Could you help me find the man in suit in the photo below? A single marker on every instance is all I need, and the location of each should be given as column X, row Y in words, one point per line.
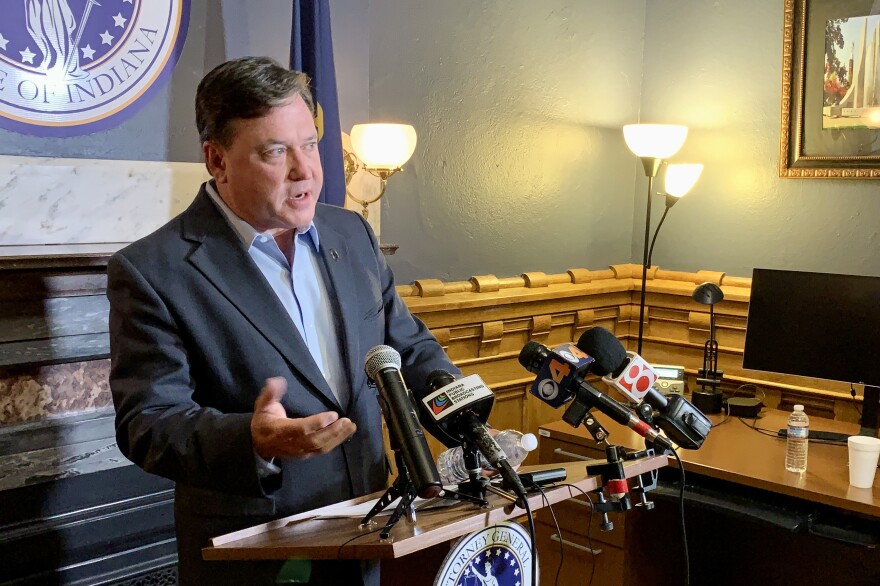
column 238, row 332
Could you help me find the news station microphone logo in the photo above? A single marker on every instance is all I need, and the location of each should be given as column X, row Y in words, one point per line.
column 636, row 379
column 566, row 362
column 457, row 395
column 440, row 403
column 548, row 389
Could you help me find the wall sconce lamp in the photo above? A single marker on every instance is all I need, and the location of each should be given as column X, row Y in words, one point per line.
column 381, row 150
column 652, row 143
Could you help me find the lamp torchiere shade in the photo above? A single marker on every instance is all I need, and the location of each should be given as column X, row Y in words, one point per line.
column 383, row 146
column 681, row 178
column 655, row 141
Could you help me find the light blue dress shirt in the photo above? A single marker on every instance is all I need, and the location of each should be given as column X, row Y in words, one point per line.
column 301, row 290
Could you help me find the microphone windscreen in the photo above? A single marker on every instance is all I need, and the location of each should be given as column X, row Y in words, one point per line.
column 379, row 358
column 532, row 356
column 437, row 380
column 608, row 352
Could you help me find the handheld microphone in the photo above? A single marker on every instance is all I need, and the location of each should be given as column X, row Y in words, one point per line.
column 382, row 365
column 557, row 370
column 630, row 374
column 455, row 412
column 535, row 357
column 445, row 400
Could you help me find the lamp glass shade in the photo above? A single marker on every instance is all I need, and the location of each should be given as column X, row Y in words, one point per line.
column 681, row 177
column 656, row 141
column 383, row 146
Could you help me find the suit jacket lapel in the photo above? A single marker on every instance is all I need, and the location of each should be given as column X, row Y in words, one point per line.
column 342, row 272
column 223, row 260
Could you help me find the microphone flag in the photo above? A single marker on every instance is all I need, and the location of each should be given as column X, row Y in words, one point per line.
column 454, row 397
column 636, row 379
column 311, row 51
column 567, row 364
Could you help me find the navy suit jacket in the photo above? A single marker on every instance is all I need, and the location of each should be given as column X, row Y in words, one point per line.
column 195, row 330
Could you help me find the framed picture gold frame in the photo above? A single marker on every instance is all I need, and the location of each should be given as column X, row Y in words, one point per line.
column 807, row 149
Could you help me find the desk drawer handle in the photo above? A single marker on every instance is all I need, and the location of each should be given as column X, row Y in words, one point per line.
column 555, row 537
column 572, row 455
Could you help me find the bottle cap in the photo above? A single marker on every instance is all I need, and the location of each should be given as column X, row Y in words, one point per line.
column 798, row 407
column 528, row 442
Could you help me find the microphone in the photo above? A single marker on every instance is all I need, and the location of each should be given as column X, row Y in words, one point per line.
column 557, row 369
column 382, row 365
column 445, row 400
column 455, row 412
column 537, row 357
column 631, row 374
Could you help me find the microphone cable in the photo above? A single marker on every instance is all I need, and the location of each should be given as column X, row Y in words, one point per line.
column 684, row 541
column 533, row 535
column 589, row 527
column 558, row 532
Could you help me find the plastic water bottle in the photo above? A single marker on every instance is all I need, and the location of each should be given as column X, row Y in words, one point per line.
column 797, row 441
column 515, row 445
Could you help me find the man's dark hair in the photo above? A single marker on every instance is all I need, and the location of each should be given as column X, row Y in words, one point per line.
column 244, row 88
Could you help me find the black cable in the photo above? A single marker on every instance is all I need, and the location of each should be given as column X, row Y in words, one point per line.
column 760, row 430
column 534, row 545
column 558, row 532
column 370, row 532
column 687, row 561
column 589, row 527
column 852, row 391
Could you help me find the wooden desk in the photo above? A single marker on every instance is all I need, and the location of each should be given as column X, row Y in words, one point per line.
column 310, row 537
column 737, row 453
column 737, row 544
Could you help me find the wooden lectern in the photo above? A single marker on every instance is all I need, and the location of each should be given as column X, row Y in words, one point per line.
column 311, row 535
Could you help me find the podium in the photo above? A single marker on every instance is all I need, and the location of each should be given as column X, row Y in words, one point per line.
column 416, row 546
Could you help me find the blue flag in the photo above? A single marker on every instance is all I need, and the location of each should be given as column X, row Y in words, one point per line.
column 311, row 51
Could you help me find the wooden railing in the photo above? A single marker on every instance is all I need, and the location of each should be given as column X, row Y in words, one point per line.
column 485, row 321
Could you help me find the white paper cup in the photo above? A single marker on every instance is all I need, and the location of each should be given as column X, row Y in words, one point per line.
column 863, row 455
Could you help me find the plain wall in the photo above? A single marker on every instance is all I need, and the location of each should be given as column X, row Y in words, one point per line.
column 717, row 67
column 520, row 164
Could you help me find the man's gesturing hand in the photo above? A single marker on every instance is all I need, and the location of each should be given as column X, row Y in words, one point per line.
column 277, row 436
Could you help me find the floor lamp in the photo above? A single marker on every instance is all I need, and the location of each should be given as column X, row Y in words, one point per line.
column 651, row 143
column 680, row 179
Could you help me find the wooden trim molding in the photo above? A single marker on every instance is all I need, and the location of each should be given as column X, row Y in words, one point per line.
column 557, row 308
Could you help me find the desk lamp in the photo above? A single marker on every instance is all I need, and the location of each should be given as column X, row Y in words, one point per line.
column 708, row 398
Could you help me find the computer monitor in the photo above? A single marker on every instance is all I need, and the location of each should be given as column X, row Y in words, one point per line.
column 818, row 325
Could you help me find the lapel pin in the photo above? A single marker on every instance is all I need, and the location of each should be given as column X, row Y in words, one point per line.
column 333, row 254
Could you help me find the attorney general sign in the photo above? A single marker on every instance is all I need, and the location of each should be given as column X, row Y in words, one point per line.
column 70, row 67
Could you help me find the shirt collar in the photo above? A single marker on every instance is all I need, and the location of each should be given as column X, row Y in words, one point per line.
column 245, row 231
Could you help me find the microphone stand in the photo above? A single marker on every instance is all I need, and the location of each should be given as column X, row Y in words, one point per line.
column 477, row 485
column 614, row 483
column 403, row 488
